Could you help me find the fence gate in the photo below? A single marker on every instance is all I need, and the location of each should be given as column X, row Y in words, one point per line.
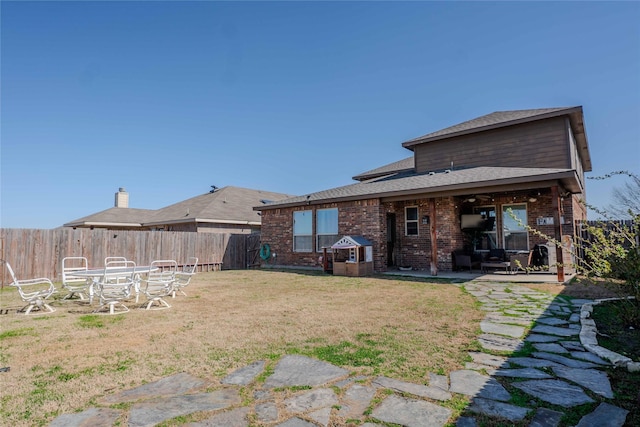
column 253, row 250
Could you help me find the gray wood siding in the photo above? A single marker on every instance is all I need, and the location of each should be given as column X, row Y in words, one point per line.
column 542, row 144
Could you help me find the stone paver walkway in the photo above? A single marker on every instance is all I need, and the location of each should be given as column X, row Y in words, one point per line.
column 553, row 372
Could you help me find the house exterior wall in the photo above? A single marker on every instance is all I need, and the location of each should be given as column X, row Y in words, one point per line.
column 543, row 143
column 368, row 219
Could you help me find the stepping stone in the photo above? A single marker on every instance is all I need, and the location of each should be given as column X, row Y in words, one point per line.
column 546, row 418
column 531, row 373
column 604, row 415
column 489, row 370
column 154, row 412
column 497, row 318
column 596, row 381
column 267, row 412
column 296, row 422
column 311, row 400
column 551, row 321
column 439, row 381
column 181, row 383
column 572, row 363
column 551, row 348
column 553, row 330
column 498, row 409
column 589, row 357
column 488, row 359
column 466, row 422
column 541, row 338
column 502, row 329
column 355, row 401
column 575, row 318
column 95, row 417
column 321, row 416
column 556, row 392
column 233, row 418
column 498, row 343
column 435, row 393
column 572, row 345
column 293, row 370
column 246, row 375
column 411, row 412
column 530, row 362
column 471, row 383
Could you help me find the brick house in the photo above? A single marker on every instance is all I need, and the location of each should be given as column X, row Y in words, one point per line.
column 506, row 168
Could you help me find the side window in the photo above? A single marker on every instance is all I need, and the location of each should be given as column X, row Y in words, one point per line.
column 302, row 231
column 411, row 221
column 326, row 228
column 514, row 219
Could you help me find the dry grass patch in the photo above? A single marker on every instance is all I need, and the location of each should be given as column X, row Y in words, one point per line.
column 67, row 360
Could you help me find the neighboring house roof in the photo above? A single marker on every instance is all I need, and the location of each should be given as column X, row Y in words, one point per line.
column 456, row 182
column 120, row 217
column 228, row 205
column 404, row 165
column 500, row 119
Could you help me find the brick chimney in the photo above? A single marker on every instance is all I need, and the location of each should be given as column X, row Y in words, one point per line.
column 122, row 198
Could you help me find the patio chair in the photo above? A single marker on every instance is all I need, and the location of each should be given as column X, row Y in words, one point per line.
column 159, row 283
column 112, row 290
column 183, row 276
column 75, row 285
column 34, row 292
column 521, row 261
column 462, row 261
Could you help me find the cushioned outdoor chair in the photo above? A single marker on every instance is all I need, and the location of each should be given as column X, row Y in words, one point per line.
column 34, row 292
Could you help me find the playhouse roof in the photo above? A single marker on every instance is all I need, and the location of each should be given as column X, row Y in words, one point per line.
column 348, row 242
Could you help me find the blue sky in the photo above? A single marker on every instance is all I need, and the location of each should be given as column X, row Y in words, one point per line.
column 166, row 99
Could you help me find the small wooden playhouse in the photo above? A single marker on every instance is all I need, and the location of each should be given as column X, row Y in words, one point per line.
column 352, row 256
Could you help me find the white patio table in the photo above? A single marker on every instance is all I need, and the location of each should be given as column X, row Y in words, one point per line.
column 95, row 274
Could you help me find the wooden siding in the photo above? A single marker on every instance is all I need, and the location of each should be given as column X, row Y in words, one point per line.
column 38, row 253
column 541, row 144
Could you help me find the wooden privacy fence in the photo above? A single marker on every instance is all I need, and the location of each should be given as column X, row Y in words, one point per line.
column 39, row 253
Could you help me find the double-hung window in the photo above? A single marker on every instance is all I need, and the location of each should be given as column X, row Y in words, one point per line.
column 515, row 235
column 411, row 221
column 303, row 231
column 326, row 228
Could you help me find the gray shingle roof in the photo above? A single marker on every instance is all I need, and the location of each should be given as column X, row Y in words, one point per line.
column 479, row 178
column 229, row 204
column 403, row 165
column 491, row 121
column 121, row 216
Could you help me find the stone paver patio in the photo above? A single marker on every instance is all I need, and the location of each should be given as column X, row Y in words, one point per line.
column 560, row 373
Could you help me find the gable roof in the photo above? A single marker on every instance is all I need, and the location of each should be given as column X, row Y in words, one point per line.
column 404, row 165
column 456, row 182
column 228, row 205
column 120, row 217
column 501, row 119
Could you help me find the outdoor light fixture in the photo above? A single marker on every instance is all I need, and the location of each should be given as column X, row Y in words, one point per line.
column 533, row 199
column 471, row 199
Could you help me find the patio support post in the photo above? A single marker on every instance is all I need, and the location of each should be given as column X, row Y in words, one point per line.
column 434, row 237
column 557, row 229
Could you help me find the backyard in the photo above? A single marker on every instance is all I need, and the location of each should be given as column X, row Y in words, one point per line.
column 403, row 328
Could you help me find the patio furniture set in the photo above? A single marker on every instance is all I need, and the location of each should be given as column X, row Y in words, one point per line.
column 113, row 285
column 495, row 259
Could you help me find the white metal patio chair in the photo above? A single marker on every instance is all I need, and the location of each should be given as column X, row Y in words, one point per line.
column 34, row 292
column 158, row 283
column 75, row 285
column 112, row 290
column 183, row 276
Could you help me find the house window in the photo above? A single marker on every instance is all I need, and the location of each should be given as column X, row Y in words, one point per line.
column 326, row 228
column 514, row 220
column 487, row 238
column 302, row 231
column 411, row 221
